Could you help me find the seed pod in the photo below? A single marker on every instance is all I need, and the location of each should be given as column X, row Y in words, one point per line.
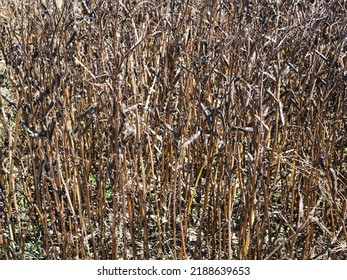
column 191, row 139
column 72, row 37
column 89, row 123
column 51, row 128
column 49, row 107
column 87, row 111
column 321, row 162
column 333, row 180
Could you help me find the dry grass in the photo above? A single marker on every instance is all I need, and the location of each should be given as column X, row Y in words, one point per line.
column 173, row 130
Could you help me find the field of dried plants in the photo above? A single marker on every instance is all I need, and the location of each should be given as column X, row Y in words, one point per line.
column 173, row 129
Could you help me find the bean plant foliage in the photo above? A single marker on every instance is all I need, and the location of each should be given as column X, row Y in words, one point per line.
column 183, row 129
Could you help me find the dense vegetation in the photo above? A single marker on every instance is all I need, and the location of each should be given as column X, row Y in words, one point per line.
column 173, row 129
